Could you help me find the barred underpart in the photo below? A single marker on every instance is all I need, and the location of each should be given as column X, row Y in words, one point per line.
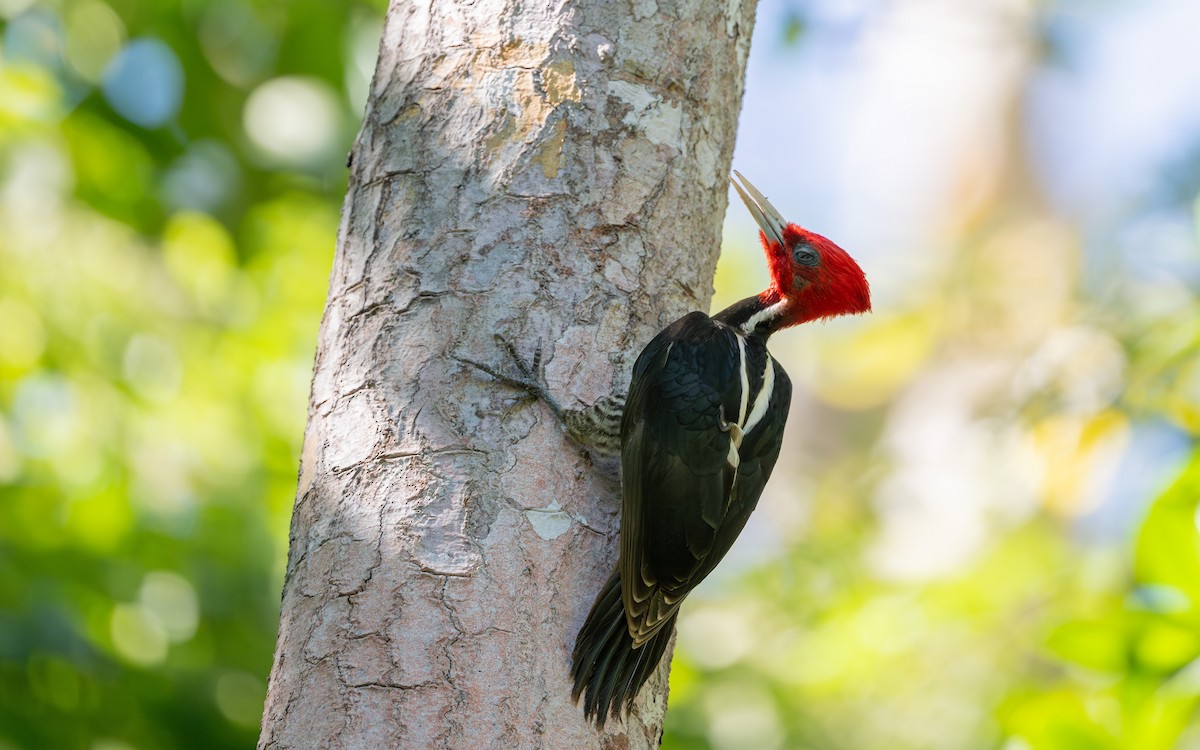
column 598, row 426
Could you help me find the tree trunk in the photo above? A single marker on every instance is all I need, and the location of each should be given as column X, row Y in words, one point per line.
column 555, row 173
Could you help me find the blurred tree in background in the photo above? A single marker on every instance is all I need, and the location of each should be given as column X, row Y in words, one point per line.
column 984, row 533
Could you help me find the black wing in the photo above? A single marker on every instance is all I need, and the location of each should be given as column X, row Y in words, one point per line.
column 685, row 494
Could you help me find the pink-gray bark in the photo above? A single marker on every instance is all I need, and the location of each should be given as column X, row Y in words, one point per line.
column 555, row 173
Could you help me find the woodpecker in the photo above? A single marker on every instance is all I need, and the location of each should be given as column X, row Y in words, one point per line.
column 697, row 434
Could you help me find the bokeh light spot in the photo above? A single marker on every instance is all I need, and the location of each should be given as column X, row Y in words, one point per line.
column 28, row 96
column 45, row 414
column 743, row 716
column 145, row 83
column 240, row 697
column 716, row 636
column 236, row 42
column 138, row 636
column 161, row 482
column 94, row 37
column 34, row 37
column 152, row 367
column 205, row 178
column 173, row 601
column 10, row 8
column 294, row 120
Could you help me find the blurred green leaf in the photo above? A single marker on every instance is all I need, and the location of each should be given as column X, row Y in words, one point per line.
column 1066, row 721
column 1101, row 644
column 1168, row 546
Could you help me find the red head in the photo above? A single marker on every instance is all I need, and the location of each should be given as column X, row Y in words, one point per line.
column 815, row 277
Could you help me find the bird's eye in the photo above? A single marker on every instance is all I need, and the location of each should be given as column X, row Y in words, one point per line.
column 805, row 256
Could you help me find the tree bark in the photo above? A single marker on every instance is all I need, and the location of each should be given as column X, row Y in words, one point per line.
column 552, row 172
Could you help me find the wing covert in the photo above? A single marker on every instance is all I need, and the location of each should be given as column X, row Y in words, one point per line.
column 685, row 493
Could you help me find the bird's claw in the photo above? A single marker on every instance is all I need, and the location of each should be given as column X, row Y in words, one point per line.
column 529, row 375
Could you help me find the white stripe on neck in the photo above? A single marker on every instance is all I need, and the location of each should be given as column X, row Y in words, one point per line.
column 745, row 373
column 767, row 313
column 763, row 399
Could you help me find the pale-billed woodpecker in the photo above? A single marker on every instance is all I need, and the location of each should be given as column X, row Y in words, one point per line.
column 698, row 436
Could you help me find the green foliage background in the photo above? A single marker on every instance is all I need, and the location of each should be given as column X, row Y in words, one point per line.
column 160, row 290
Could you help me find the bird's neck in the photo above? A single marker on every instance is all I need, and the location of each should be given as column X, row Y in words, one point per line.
column 760, row 315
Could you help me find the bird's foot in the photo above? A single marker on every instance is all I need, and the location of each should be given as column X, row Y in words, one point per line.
column 528, row 377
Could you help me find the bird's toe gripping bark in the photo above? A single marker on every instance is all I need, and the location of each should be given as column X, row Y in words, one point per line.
column 528, row 377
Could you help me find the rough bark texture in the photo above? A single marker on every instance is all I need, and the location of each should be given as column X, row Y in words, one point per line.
column 555, row 173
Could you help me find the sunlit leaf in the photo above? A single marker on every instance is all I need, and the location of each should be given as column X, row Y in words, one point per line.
column 1101, row 645
column 1163, row 646
column 1066, row 721
column 1168, row 547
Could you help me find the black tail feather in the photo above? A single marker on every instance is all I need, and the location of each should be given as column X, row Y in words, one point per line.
column 607, row 669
